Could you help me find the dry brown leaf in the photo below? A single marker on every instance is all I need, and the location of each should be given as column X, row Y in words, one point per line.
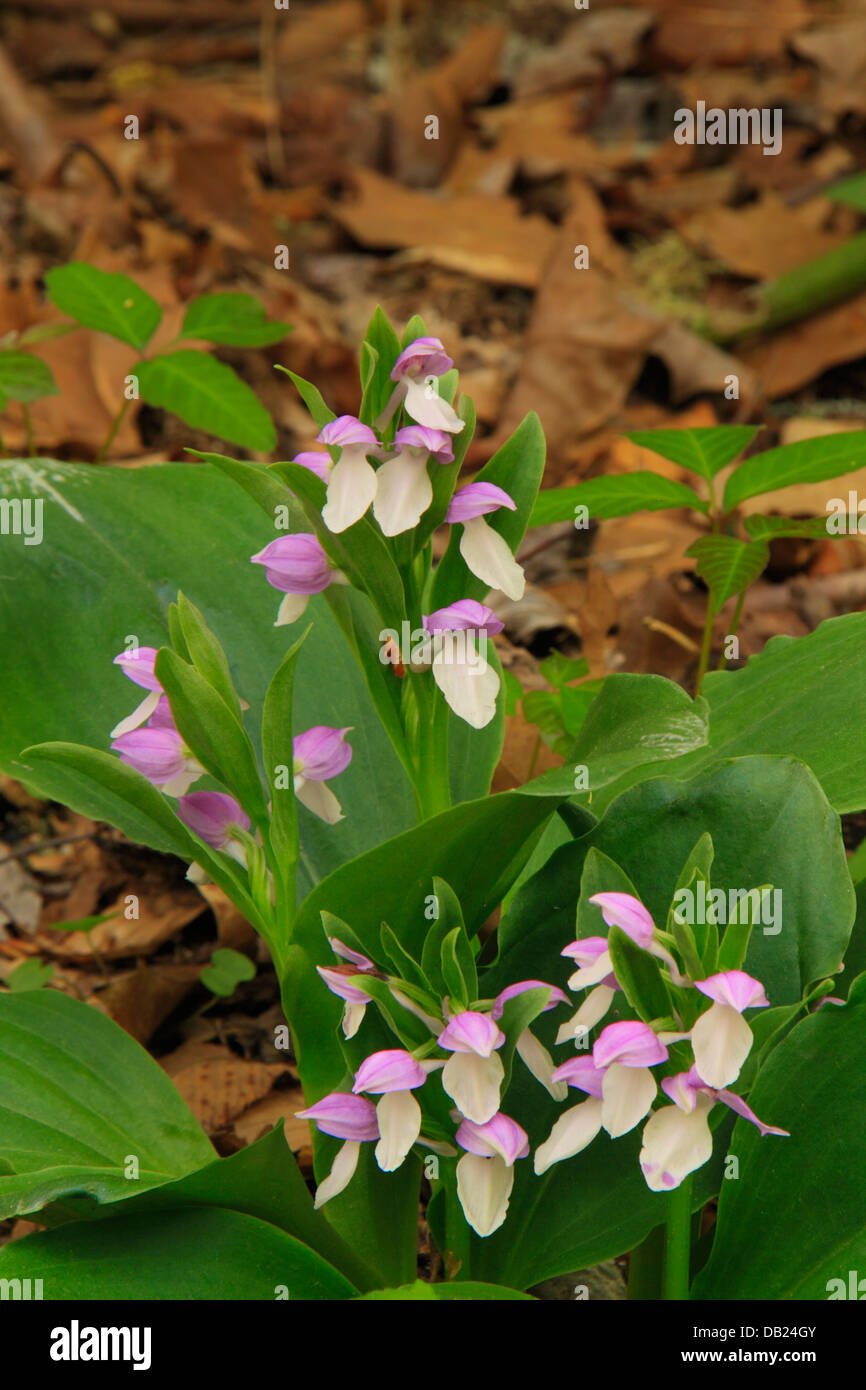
column 218, row 1086
column 734, row 32
column 265, row 1113
column 141, row 999
column 161, row 914
column 764, row 239
column 839, row 50
column 697, row 366
column 20, row 899
column 233, row 929
column 795, row 356
column 480, row 236
column 598, row 43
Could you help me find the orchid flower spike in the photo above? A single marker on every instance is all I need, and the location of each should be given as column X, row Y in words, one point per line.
column 348, row 1117
column 416, row 372
column 470, row 685
column 721, row 1038
column 352, row 482
column 393, row 1075
column 337, row 978
column 474, row 1074
column 485, row 1173
column 677, row 1139
column 629, row 914
column 403, row 487
column 297, row 566
column 487, row 554
column 138, row 666
column 320, row 754
column 214, row 817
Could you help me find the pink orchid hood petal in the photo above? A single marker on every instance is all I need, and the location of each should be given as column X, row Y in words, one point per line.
column 557, row 996
column 317, row 461
column 435, row 442
column 477, row 499
column 630, row 1043
column 626, row 912
column 500, row 1137
column 321, row 752
column 586, row 950
column 739, row 1106
column 345, row 952
column 138, row 665
column 157, row 754
column 391, row 1070
column 465, row 614
column 423, row 357
column 472, row 1032
column 345, row 431
column 734, row 988
column 683, row 1089
column 337, row 981
column 295, row 564
column 162, row 717
column 582, row 1073
column 343, row 1115
column 212, row 816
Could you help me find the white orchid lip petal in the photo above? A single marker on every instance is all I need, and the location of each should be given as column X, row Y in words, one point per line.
column 484, row 1188
column 573, row 1131
column 399, row 1117
column 675, row 1143
column 488, row 555
column 473, row 1083
column 341, row 1174
column 470, row 686
column 540, row 1063
column 318, row 798
column 141, row 713
column 351, row 489
column 721, row 1041
column 627, row 1095
column 403, row 493
column 428, row 408
column 290, row 609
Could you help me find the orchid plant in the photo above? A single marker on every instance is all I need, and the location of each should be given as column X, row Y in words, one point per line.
column 436, row 1031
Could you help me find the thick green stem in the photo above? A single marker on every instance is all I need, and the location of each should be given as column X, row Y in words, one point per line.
column 115, row 426
column 735, row 623
column 678, row 1243
column 645, row 1265
column 706, row 645
column 432, row 786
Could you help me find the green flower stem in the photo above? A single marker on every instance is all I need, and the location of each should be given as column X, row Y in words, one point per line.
column 735, row 623
column 115, row 426
column 430, row 749
column 707, row 643
column 678, row 1243
column 645, row 1266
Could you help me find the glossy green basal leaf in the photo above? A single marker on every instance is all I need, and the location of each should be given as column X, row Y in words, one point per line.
column 419, row 1292
column 618, row 495
column 801, row 697
column 635, row 721
column 703, row 451
column 77, row 1097
column 124, row 542
column 109, row 303
column 193, row 1253
column 793, row 1226
column 207, row 395
column 809, row 461
column 235, row 319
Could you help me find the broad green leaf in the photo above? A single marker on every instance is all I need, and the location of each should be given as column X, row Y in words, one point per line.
column 769, row 528
column 638, row 976
column 321, row 413
column 258, row 482
column 205, row 653
column 25, row 378
column 559, row 669
column 517, row 467
column 207, row 395
column 850, row 190
column 30, row 974
column 383, row 340
column 214, row 1254
column 277, row 753
column 704, row 451
column 109, row 303
column 617, row 495
column 445, row 476
column 728, row 565
column 634, row 721
column 808, row 461
column 124, row 542
column 213, row 733
column 78, row 1097
column 236, row 319
column 795, row 1220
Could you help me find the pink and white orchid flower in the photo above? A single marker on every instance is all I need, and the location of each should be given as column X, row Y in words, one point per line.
column 159, row 753
column 577, row 1127
column 337, row 978
column 403, row 487
column 214, row 817
column 352, row 481
column 393, row 1075
column 487, row 554
column 531, row 1052
column 629, row 914
column 138, row 665
column 320, row 754
column 677, row 1139
column 485, row 1173
column 470, row 685
column 625, row 1052
column 472, row 1077
column 298, row 566
column 416, row 373
column 595, row 974
column 721, row 1038
column 348, row 1117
